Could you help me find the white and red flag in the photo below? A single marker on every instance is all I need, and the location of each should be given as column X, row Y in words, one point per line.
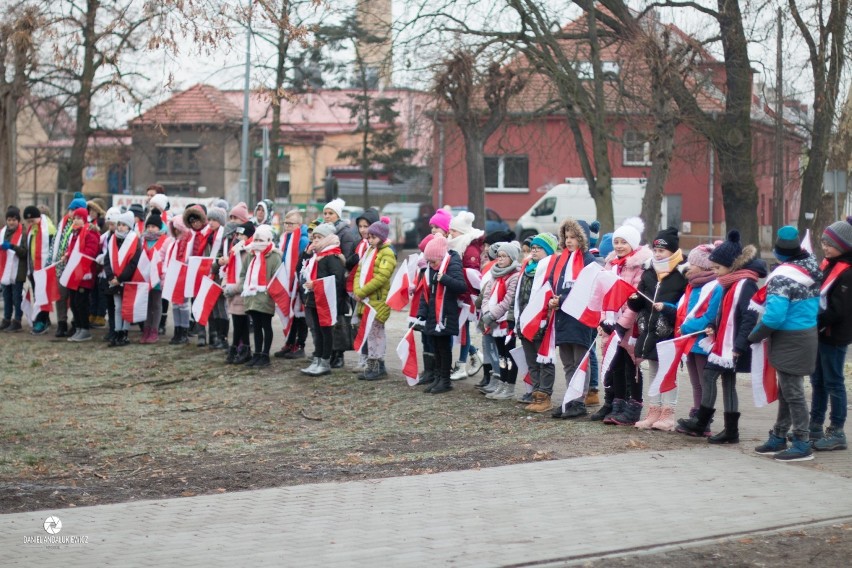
column 197, row 267
column 280, row 290
column 45, row 287
column 368, row 316
column 407, row 352
column 585, row 299
column 615, row 292
column 520, row 362
column 577, row 384
column 609, row 352
column 669, row 355
column 205, row 300
column 325, row 295
column 806, row 242
column 27, row 304
column 77, row 270
column 398, row 293
column 134, row 301
column 174, row 282
column 534, row 315
column 764, row 381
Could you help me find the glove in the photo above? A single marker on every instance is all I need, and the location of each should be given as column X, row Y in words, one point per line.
column 622, row 331
column 487, row 320
column 6, row 245
column 417, row 325
column 607, row 327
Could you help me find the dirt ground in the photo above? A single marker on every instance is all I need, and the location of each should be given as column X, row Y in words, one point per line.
column 81, row 424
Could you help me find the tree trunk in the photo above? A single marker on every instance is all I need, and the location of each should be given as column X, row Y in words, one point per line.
column 8, row 147
column 77, row 162
column 814, row 174
column 739, row 191
column 662, row 148
column 475, row 160
column 280, row 77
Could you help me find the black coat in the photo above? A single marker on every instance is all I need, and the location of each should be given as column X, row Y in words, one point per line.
column 330, row 265
column 656, row 326
column 568, row 328
column 129, row 270
column 835, row 322
column 454, row 286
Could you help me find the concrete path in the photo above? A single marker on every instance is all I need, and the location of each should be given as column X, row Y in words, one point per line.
column 539, row 513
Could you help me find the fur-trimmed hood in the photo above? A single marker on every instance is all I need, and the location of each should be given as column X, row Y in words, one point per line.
column 749, row 253
column 192, row 212
column 572, row 226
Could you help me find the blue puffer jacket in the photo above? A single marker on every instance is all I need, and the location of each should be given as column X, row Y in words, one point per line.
column 790, row 305
column 691, row 325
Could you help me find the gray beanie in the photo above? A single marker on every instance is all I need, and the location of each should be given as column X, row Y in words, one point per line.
column 839, row 235
column 218, row 214
column 324, row 229
column 512, row 249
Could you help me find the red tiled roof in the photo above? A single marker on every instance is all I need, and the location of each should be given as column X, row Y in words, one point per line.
column 201, row 104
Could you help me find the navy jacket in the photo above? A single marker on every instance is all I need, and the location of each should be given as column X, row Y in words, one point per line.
column 454, row 286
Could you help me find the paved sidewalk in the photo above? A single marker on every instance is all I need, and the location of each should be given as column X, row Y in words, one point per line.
column 544, row 512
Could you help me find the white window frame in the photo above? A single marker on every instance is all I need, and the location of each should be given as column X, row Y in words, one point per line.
column 646, row 150
column 501, row 176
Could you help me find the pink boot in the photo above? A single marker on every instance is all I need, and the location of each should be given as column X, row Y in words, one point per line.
column 653, row 416
column 666, row 422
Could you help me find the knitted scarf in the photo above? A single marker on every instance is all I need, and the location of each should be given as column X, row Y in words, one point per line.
column 256, row 278
column 9, row 260
column 119, row 257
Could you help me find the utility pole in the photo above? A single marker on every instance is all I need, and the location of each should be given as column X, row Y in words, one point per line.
column 778, row 162
column 244, row 150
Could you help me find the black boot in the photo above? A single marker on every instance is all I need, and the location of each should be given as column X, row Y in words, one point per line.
column 427, row 377
column 224, row 328
column 62, row 329
column 442, row 384
column 486, row 376
column 162, row 329
column 179, row 337
column 731, row 433
column 336, row 359
column 243, row 355
column 697, row 425
column 232, row 355
column 602, row 412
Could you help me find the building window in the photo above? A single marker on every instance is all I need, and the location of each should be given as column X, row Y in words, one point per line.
column 509, row 174
column 177, row 159
column 637, row 149
column 585, row 71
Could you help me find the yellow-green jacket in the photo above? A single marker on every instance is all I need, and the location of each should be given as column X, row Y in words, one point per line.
column 377, row 288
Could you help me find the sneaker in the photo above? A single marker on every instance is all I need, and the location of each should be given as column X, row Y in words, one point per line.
column 81, row 335
column 801, row 451
column 773, row 445
column 508, row 393
column 496, row 393
column 282, row 353
column 14, row 326
column 458, row 373
column 834, row 439
column 297, row 353
column 474, row 364
column 574, row 409
column 526, row 399
column 39, row 328
column 4, row 325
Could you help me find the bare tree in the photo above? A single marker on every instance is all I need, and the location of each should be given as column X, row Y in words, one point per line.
column 462, row 86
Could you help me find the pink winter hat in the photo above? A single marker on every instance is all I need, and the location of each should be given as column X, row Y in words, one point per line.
column 241, row 212
column 700, row 256
column 441, row 219
column 425, row 241
column 436, row 249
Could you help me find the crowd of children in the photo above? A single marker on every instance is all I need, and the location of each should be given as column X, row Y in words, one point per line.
column 335, row 279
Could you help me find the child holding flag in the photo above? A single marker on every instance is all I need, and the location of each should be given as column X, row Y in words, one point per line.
column 664, row 282
column 120, row 262
column 372, row 282
column 627, row 259
column 257, row 272
column 39, row 241
column 835, row 334
column 291, row 253
column 154, row 243
column 176, row 255
column 737, row 270
column 327, row 260
column 84, row 239
column 232, row 268
column 13, row 269
column 438, row 312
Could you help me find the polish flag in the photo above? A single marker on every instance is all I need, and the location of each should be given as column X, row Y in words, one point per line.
column 174, row 282
column 535, row 314
column 398, row 293
column 585, row 300
column 577, row 385
column 197, row 267
column 616, row 291
column 325, row 295
column 521, row 363
column 134, row 301
column 764, row 383
column 806, row 245
column 27, row 305
column 368, row 316
column 407, row 352
column 77, row 270
column 279, row 289
column 609, row 353
column 45, row 287
column 669, row 354
column 206, row 298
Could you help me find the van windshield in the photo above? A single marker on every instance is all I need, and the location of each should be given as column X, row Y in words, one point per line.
column 546, row 207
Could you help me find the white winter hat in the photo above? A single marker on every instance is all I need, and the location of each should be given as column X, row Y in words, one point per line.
column 263, row 234
column 159, row 201
column 630, row 231
column 463, row 222
column 112, row 214
column 126, row 219
column 337, row 206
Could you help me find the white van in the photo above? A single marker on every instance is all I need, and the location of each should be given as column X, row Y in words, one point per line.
column 572, row 199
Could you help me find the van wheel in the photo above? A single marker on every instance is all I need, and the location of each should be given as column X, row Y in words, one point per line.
column 527, row 234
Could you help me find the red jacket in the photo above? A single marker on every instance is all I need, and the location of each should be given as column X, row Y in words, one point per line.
column 90, row 247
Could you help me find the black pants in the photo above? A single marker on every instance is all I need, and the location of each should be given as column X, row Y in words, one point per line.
column 298, row 333
column 262, row 331
column 508, row 368
column 241, row 330
column 79, row 300
column 443, row 345
column 323, row 336
column 624, row 379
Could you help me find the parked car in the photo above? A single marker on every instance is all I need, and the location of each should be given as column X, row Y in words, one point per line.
column 493, row 221
column 409, row 222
